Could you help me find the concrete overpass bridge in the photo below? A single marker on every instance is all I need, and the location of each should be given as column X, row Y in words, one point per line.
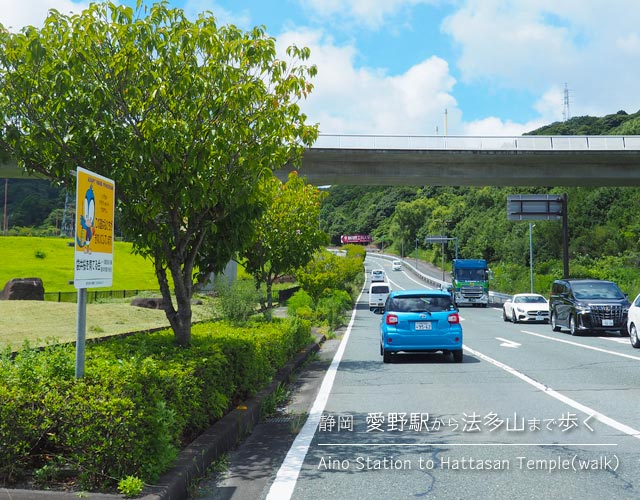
column 472, row 161
column 465, row 161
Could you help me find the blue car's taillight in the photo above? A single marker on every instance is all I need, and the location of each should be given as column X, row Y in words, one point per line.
column 392, row 319
column 453, row 319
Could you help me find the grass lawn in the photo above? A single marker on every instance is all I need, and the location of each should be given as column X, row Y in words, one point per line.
column 51, row 260
column 35, row 321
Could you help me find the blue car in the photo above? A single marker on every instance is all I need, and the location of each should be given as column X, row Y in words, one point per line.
column 420, row 321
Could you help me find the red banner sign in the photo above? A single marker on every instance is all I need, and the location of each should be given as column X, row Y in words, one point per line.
column 355, row 238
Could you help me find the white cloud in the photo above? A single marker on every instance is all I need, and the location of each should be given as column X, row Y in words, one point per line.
column 354, row 100
column 537, row 45
column 16, row 15
column 369, row 13
column 493, row 126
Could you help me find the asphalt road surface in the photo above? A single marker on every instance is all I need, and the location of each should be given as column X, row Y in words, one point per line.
column 530, row 413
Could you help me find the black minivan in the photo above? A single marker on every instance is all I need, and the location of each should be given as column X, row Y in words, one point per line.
column 584, row 305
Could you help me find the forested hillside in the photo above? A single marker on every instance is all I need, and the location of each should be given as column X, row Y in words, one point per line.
column 604, row 223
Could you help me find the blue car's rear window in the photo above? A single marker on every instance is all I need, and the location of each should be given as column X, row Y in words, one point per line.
column 419, row 303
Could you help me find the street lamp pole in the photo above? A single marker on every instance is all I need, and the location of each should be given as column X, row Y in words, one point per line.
column 531, row 226
column 444, row 222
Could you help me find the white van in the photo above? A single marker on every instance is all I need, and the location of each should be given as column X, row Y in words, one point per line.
column 378, row 293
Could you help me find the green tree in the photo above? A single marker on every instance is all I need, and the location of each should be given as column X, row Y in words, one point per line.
column 409, row 217
column 288, row 234
column 186, row 117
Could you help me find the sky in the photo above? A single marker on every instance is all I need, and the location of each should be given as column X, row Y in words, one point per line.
column 435, row 67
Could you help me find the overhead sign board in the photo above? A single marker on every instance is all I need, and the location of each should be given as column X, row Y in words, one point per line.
column 534, row 207
column 437, row 239
column 95, row 202
column 355, row 238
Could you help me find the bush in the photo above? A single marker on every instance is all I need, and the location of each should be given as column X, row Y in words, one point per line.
column 299, row 300
column 328, row 271
column 239, row 300
column 141, row 399
column 333, row 306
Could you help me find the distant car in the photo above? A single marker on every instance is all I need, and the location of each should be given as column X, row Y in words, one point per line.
column 396, row 265
column 633, row 322
column 526, row 307
column 420, row 321
column 377, row 275
column 378, row 293
column 586, row 305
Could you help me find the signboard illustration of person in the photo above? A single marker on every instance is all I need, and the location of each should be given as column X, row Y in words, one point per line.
column 87, row 221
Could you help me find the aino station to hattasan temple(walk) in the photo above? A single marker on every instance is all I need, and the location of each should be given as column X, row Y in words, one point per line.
column 463, row 161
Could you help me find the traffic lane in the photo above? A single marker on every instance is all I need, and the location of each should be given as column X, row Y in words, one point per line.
column 399, row 280
column 604, row 380
column 430, row 385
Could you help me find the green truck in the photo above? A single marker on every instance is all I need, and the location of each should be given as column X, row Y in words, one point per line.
column 470, row 282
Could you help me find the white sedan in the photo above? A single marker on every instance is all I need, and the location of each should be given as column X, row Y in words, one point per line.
column 633, row 322
column 526, row 307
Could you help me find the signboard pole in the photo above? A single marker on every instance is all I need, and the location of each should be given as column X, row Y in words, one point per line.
column 81, row 330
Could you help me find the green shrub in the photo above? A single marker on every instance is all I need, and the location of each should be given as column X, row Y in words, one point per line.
column 130, row 486
column 239, row 300
column 333, row 306
column 298, row 300
column 141, row 399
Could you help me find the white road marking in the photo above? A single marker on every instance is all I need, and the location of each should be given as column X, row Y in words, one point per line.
column 599, row 349
column 617, row 340
column 285, row 481
column 630, row 431
column 508, row 343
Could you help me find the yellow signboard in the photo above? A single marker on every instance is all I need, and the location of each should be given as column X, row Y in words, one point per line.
column 95, row 207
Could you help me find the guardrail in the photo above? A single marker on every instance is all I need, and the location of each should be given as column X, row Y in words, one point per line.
column 482, row 143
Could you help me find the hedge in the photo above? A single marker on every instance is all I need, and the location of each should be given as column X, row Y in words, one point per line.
column 141, row 400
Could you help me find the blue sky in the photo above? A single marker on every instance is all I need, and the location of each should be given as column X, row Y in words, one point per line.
column 497, row 67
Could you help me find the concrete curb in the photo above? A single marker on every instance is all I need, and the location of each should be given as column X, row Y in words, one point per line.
column 193, row 461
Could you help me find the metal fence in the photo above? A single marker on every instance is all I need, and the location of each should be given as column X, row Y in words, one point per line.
column 94, row 295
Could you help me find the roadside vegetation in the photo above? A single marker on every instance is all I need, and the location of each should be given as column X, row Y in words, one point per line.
column 143, row 397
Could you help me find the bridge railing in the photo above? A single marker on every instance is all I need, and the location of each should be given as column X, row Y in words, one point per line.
column 488, row 143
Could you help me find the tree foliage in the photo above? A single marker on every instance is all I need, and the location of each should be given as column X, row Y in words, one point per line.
column 288, row 233
column 188, row 118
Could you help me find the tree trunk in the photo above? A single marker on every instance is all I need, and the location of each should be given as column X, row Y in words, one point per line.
column 269, row 283
column 180, row 319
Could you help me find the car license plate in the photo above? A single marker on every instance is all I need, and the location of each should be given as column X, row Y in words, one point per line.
column 539, row 318
column 607, row 322
column 423, row 325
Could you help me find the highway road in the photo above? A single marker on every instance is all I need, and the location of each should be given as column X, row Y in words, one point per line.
column 530, row 413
